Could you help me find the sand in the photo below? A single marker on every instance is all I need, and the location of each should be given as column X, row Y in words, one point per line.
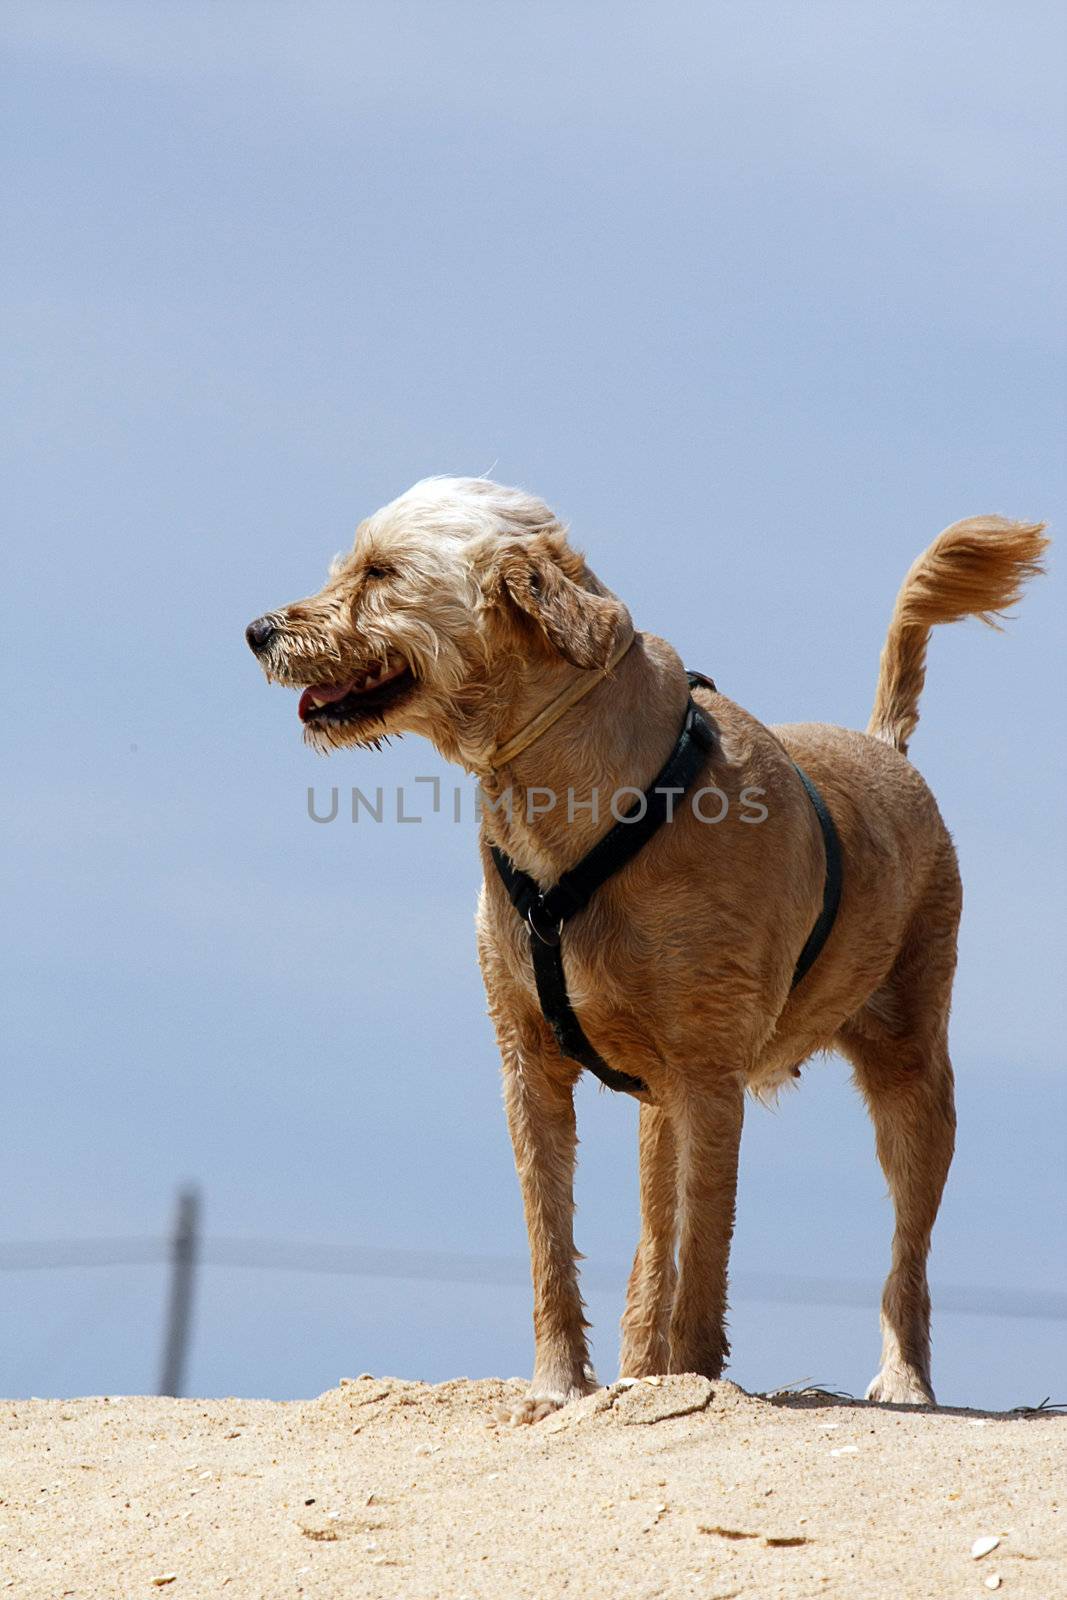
column 671, row 1487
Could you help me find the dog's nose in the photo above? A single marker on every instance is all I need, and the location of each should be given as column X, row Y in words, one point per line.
column 260, row 633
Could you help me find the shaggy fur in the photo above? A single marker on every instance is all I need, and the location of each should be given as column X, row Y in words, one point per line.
column 459, row 614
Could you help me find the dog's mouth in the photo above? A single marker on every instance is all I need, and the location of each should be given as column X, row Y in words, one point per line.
column 368, row 693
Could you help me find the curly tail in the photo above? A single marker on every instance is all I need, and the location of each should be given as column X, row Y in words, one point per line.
column 976, row 568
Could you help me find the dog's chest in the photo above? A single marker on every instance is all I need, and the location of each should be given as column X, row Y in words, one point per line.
column 612, row 978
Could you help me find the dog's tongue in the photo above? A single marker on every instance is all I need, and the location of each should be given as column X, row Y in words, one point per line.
column 321, row 694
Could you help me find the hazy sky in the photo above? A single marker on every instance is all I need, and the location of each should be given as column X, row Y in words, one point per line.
column 759, row 297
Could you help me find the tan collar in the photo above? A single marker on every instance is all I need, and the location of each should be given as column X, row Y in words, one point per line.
column 556, row 708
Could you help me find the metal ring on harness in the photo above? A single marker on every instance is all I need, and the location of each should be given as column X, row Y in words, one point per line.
column 535, row 915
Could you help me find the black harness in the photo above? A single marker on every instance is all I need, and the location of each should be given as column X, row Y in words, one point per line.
column 546, row 911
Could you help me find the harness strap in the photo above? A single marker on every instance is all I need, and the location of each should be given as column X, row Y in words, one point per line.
column 546, row 911
column 831, row 894
column 551, row 981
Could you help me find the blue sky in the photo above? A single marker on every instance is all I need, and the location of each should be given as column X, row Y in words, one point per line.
column 759, row 298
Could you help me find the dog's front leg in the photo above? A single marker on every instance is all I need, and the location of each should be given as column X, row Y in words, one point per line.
column 540, row 1111
column 706, row 1119
column 646, row 1320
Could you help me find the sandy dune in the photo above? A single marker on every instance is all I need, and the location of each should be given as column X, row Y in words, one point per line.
column 384, row 1488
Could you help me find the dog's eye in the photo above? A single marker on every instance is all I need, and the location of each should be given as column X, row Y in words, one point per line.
column 376, row 572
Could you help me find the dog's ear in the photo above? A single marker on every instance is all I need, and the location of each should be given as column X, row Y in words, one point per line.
column 581, row 625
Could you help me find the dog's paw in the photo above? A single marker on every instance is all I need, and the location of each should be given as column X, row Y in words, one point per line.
column 900, row 1386
column 541, row 1403
column 534, row 1408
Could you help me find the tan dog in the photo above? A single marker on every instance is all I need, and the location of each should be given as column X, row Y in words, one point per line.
column 461, row 614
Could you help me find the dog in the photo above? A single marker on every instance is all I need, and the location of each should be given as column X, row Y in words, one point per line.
column 462, row 613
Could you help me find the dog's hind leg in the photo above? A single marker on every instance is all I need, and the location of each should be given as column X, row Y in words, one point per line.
column 645, row 1346
column 911, row 1104
column 899, row 1051
column 706, row 1118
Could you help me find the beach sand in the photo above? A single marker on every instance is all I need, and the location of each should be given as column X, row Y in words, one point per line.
column 669, row 1487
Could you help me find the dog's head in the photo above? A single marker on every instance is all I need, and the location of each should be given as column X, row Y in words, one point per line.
column 452, row 598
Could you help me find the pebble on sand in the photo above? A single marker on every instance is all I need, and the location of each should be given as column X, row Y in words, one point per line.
column 981, row 1547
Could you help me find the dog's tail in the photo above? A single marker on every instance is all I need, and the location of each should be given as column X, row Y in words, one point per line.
column 975, row 568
